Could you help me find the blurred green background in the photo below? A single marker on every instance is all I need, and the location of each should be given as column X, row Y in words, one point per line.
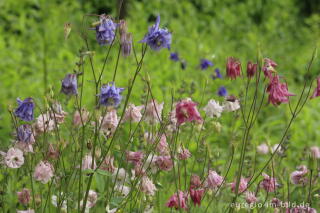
column 35, row 56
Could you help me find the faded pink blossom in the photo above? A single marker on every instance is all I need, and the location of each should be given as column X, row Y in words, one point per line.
column 263, row 149
column 24, row 196
column 298, row 177
column 269, row 184
column 195, row 181
column 133, row 113
column 315, row 152
column 233, row 68
column 77, row 117
column 278, row 92
column 162, row 146
column 134, row 157
column 196, row 196
column 231, row 104
column 13, row 158
column 53, row 152
column 109, row 122
column 139, row 170
column 45, row 123
column 316, row 92
column 269, row 67
column 164, row 163
column 251, row 69
column 213, row 180
column 250, row 197
column 175, row 202
column 242, row 185
column 183, row 154
column 186, row 111
column 92, row 199
column 57, row 113
column 87, row 163
column 153, row 111
column 107, row 164
column 43, row 172
column 147, row 186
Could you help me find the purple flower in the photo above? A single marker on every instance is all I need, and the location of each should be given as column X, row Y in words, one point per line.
column 222, row 91
column 105, row 31
column 174, row 56
column 69, row 84
column 217, row 74
column 157, row 38
column 110, row 95
column 205, row 63
column 24, row 134
column 25, row 109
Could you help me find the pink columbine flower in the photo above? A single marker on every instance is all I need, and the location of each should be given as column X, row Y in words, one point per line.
column 107, row 164
column 233, row 68
column 164, row 163
column 316, row 92
column 298, row 177
column 53, row 152
column 269, row 67
column 186, row 110
column 109, row 122
column 195, row 181
column 175, row 202
column 269, row 184
column 133, row 113
column 147, row 186
column 13, row 158
column 278, row 92
column 196, row 196
column 87, row 162
column 162, row 146
column 78, row 119
column 153, row 111
column 243, row 185
column 92, row 198
column 24, row 196
column 45, row 123
column 263, row 149
column 251, row 197
column 134, row 157
column 315, row 152
column 183, row 154
column 213, row 180
column 251, row 69
column 43, row 172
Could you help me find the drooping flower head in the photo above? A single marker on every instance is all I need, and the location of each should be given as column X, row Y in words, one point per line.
column 147, row 186
column 133, row 113
column 205, row 63
column 251, row 69
column 196, row 196
column 43, row 172
column 269, row 183
column 186, row 111
column 251, row 197
column 87, row 162
column 242, row 185
column 195, row 181
column 178, row 202
column 126, row 44
column 24, row 196
column 153, row 111
column 164, row 163
column 134, row 157
column 25, row 109
column 231, row 104
column 183, row 153
column 110, row 95
column 213, row 109
column 278, row 92
column 222, row 91
column 69, row 85
column 105, row 31
column 109, row 122
column 157, row 38
column 233, row 68
column 315, row 152
column 298, row 177
column 217, row 74
column 316, row 92
column 25, row 134
column 174, row 56
column 213, row 180
column 269, row 67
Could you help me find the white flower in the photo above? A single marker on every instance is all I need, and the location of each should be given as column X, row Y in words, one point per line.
column 13, row 158
column 54, row 201
column 274, row 148
column 230, row 106
column 124, row 190
column 147, row 186
column 213, row 108
column 122, row 174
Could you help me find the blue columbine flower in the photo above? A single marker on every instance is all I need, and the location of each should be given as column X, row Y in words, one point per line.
column 157, row 38
column 69, row 84
column 105, row 31
column 217, row 74
column 222, row 91
column 205, row 63
column 174, row 56
column 110, row 95
column 25, row 109
column 24, row 134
